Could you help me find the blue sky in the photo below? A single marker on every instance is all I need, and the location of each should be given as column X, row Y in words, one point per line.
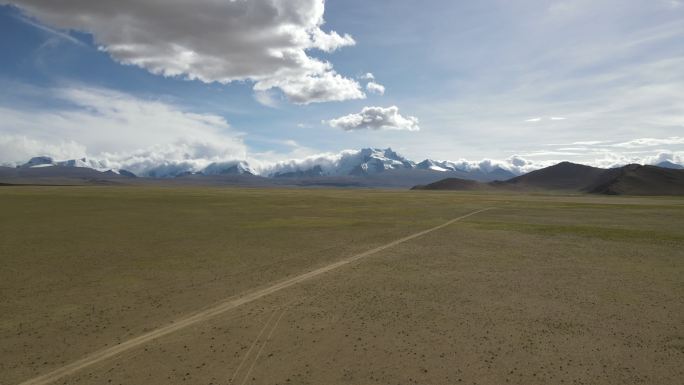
column 587, row 81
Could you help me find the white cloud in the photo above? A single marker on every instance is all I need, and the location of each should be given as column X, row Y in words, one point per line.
column 539, row 119
column 183, row 155
column 515, row 164
column 326, row 86
column 632, row 52
column 612, row 159
column 559, row 153
column 121, row 130
column 521, row 165
column 650, row 142
column 16, row 149
column 367, row 76
column 376, row 118
column 264, row 41
column 338, row 164
column 602, row 153
column 375, row 88
column 668, row 156
column 588, row 143
column 267, row 98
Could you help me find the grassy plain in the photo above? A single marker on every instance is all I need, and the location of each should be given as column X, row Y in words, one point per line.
column 543, row 289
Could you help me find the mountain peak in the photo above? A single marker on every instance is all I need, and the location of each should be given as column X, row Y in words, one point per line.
column 229, row 168
column 668, row 164
column 564, row 175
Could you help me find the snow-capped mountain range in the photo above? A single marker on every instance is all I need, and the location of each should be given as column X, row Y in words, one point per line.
column 366, row 162
column 46, row 161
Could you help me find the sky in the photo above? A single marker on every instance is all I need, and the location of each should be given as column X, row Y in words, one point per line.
column 154, row 81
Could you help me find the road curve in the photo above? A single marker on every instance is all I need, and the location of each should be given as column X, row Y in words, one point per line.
column 220, row 308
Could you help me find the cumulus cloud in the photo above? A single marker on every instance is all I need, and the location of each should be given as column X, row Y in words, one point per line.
column 615, row 159
column 668, row 156
column 183, row 155
column 264, row 41
column 16, row 149
column 376, row 118
column 375, row 88
column 121, row 130
column 613, row 153
column 328, row 162
column 367, row 76
column 516, row 164
column 325, row 86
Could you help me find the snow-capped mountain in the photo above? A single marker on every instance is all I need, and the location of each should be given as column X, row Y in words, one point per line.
column 315, row 171
column 229, row 168
column 46, row 161
column 484, row 168
column 370, row 162
column 428, row 164
column 182, row 169
column 364, row 162
column 39, row 161
column 481, row 171
column 165, row 170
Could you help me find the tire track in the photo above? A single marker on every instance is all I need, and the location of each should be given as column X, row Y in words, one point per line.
column 249, row 351
column 263, row 345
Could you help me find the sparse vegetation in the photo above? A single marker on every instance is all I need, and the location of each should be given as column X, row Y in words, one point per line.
column 545, row 289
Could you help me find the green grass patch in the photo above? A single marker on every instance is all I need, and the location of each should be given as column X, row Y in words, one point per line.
column 604, row 233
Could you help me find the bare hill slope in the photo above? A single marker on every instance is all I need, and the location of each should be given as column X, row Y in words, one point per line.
column 628, row 180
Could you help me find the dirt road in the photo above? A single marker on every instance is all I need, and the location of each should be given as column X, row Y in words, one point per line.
column 218, row 309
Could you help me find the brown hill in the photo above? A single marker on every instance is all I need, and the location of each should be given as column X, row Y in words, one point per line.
column 452, row 184
column 563, row 176
column 640, row 180
column 628, row 180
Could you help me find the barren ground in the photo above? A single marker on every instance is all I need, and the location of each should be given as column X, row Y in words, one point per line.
column 544, row 289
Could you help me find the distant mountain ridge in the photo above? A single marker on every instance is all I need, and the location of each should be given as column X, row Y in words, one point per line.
column 632, row 179
column 362, row 163
column 369, row 168
column 60, row 174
